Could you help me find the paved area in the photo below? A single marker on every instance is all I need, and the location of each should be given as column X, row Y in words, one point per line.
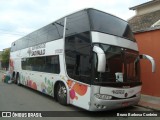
column 150, row 102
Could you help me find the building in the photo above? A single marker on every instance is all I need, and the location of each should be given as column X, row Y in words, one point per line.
column 146, row 27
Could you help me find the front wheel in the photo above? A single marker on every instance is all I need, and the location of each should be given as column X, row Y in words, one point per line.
column 62, row 93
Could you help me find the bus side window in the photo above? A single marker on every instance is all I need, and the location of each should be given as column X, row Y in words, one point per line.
column 77, row 48
column 77, row 66
column 48, row 64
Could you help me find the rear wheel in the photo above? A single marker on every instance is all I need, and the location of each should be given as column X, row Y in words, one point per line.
column 18, row 80
column 13, row 77
column 62, row 93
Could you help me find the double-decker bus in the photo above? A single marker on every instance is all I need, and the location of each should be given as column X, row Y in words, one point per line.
column 89, row 59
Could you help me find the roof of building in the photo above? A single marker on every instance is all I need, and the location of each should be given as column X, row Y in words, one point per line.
column 148, row 29
column 144, row 4
column 145, row 21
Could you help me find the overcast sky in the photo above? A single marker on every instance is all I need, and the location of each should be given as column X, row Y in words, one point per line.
column 20, row 17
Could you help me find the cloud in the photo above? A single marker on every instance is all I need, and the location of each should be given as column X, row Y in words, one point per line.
column 7, row 40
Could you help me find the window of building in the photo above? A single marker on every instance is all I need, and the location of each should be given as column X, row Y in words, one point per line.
column 156, row 24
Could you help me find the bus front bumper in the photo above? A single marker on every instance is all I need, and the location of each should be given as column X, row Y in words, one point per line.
column 103, row 105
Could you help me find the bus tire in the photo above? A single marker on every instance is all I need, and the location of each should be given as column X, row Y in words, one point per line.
column 61, row 93
column 13, row 77
column 18, row 80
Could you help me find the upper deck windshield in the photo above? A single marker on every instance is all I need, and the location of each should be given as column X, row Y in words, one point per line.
column 77, row 23
column 106, row 23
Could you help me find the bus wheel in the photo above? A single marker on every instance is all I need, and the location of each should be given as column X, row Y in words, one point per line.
column 18, row 81
column 62, row 93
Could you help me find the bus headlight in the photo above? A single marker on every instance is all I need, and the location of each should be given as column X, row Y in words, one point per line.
column 103, row 96
column 138, row 94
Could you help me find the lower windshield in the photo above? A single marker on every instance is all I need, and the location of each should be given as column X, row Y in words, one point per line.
column 121, row 65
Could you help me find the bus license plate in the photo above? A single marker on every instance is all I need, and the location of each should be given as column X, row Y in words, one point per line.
column 124, row 104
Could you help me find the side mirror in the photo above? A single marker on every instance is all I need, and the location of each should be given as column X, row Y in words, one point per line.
column 101, row 59
column 143, row 56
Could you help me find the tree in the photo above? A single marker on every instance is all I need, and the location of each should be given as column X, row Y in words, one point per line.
column 5, row 58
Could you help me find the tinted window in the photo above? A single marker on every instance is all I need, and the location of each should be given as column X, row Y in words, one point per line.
column 24, row 42
column 56, row 30
column 107, row 23
column 78, row 49
column 19, row 44
column 49, row 64
column 119, row 62
column 41, row 35
column 50, row 32
column 32, row 39
column 13, row 46
column 77, row 23
column 53, row 33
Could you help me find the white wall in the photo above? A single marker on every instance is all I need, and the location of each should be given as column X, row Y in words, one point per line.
column 149, row 8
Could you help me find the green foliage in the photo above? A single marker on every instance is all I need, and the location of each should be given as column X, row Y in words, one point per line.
column 5, row 58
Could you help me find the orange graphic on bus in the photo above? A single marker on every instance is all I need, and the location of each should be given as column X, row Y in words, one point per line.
column 76, row 88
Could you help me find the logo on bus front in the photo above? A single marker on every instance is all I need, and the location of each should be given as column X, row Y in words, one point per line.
column 37, row 50
column 118, row 91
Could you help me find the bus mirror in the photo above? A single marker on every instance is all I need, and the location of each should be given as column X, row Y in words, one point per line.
column 101, row 59
column 143, row 56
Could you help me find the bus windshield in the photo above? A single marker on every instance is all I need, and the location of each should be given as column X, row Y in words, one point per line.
column 121, row 65
column 106, row 23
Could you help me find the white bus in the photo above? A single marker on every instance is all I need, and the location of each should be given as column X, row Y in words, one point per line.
column 89, row 59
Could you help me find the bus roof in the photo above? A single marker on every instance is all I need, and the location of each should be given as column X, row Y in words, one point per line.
column 69, row 15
